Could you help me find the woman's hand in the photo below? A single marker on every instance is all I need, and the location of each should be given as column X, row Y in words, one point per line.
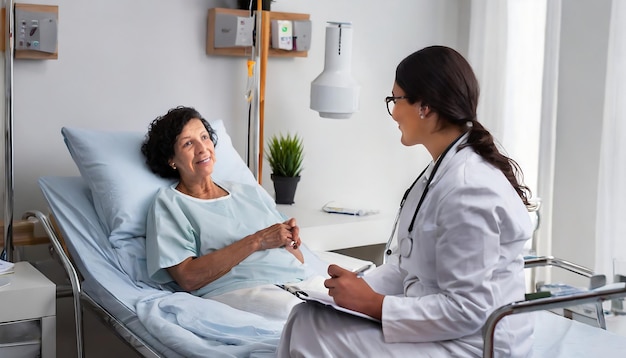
column 295, row 233
column 277, row 235
column 294, row 247
column 352, row 292
column 193, row 273
column 286, row 235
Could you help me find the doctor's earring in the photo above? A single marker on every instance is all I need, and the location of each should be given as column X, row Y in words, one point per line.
column 173, row 165
column 423, row 110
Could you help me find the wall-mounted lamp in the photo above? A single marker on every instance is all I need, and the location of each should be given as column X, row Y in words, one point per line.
column 334, row 93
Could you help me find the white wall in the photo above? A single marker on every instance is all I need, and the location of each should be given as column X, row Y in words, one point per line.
column 121, row 63
column 582, row 72
column 359, row 161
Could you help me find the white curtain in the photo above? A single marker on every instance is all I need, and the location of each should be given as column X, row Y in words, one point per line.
column 506, row 50
column 611, row 204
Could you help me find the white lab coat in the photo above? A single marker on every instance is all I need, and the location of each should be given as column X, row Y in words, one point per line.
column 462, row 261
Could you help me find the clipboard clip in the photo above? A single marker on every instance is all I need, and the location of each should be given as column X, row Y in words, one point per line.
column 294, row 290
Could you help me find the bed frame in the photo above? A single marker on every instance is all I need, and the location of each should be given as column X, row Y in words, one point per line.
column 82, row 300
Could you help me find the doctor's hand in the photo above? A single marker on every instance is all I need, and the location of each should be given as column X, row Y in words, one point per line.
column 353, row 292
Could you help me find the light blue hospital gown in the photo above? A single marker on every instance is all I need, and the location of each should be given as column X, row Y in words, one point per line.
column 181, row 226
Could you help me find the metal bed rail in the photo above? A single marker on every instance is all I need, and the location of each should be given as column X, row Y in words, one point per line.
column 595, row 296
column 595, row 281
column 542, row 261
column 78, row 296
column 70, row 271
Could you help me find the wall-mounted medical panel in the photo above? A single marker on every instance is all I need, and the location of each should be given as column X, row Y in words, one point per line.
column 225, row 37
column 36, row 31
column 302, row 35
column 233, row 31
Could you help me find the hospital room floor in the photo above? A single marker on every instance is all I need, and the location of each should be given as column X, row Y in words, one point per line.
column 100, row 342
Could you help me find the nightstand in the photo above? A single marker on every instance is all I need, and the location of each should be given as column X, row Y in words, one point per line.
column 616, row 324
column 322, row 231
column 28, row 314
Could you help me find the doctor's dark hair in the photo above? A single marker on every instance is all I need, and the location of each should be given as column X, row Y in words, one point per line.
column 443, row 80
column 158, row 144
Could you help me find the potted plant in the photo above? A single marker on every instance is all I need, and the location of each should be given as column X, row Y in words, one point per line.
column 285, row 154
column 245, row 4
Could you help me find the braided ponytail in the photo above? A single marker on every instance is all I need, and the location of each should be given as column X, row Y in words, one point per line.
column 483, row 144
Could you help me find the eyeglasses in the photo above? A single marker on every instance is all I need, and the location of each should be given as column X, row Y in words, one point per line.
column 391, row 101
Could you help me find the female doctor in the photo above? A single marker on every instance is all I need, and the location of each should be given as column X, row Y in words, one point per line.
column 462, row 227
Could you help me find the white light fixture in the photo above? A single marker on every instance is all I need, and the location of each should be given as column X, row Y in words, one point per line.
column 334, row 93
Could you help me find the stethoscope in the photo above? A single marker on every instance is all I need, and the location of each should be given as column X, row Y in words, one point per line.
column 405, row 252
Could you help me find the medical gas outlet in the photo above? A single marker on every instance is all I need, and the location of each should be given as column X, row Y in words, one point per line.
column 291, row 35
column 233, row 31
column 36, row 31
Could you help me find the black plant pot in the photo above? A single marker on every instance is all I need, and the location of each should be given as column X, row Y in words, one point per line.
column 245, row 4
column 285, row 188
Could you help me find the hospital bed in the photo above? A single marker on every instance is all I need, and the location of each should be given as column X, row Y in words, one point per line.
column 97, row 228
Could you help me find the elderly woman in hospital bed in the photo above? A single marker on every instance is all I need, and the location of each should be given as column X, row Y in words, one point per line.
column 216, row 239
column 460, row 239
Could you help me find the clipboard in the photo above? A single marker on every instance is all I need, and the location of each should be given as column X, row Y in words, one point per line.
column 317, row 297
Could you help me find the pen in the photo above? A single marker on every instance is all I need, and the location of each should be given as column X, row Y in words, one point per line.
column 344, row 212
column 360, row 272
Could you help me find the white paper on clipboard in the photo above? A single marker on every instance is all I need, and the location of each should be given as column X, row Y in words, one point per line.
column 325, row 299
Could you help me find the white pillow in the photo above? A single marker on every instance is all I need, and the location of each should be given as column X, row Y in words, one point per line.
column 122, row 185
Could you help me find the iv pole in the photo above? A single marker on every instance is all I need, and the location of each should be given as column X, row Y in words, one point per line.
column 254, row 157
column 265, row 45
column 7, row 253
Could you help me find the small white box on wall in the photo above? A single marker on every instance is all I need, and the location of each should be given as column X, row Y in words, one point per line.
column 282, row 32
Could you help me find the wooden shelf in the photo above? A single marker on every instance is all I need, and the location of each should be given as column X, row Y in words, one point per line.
column 247, row 51
column 23, row 234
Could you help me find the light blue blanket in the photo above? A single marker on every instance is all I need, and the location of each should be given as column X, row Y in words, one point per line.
column 198, row 327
